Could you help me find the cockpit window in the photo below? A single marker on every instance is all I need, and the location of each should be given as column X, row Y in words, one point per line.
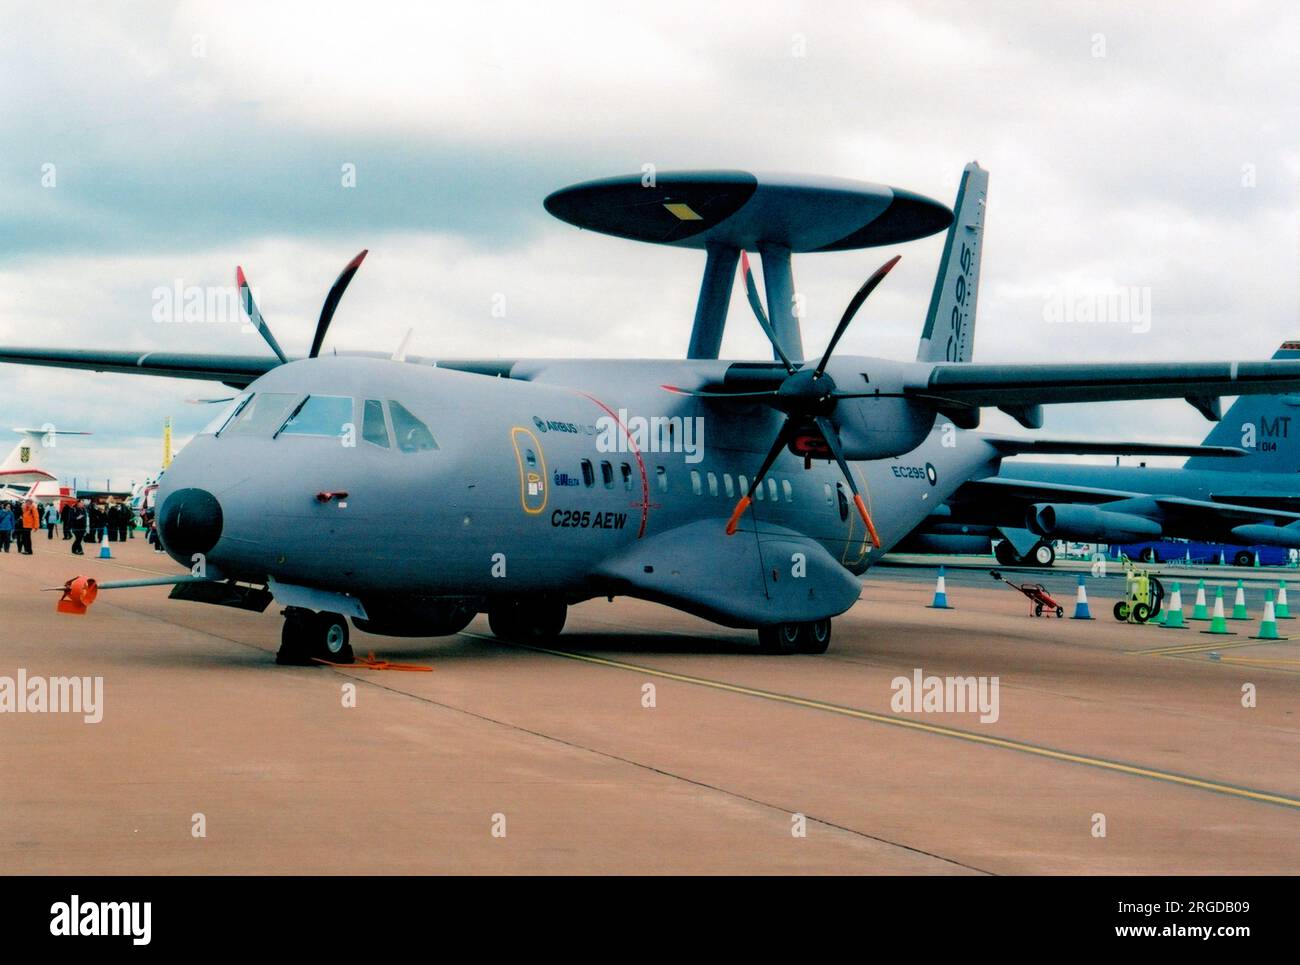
column 412, row 434
column 373, row 429
column 227, row 411
column 320, row 415
column 262, row 414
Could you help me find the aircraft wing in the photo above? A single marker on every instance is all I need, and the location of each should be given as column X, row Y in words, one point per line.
column 1000, row 500
column 1013, row 446
column 234, row 370
column 972, row 385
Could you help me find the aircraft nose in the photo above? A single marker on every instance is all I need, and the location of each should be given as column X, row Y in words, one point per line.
column 190, row 522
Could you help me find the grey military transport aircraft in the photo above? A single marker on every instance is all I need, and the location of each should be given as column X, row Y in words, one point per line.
column 410, row 494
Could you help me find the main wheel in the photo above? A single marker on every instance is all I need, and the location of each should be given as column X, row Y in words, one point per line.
column 527, row 621
column 1149, row 555
column 1243, row 558
column 780, row 638
column 307, row 636
column 1043, row 554
column 329, row 638
column 816, row 637
column 1006, row 554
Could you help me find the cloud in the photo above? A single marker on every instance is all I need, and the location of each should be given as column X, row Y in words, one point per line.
column 1127, row 148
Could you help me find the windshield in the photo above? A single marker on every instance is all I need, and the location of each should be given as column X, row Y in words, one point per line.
column 320, row 415
column 227, row 410
column 262, row 414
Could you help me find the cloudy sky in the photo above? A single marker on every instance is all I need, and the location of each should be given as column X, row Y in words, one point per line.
column 154, row 144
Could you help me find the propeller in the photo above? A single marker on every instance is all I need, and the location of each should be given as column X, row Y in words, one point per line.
column 326, row 313
column 807, row 396
column 332, row 301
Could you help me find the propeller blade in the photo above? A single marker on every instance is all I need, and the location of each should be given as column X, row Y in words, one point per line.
column 854, row 304
column 255, row 315
column 833, row 440
column 229, row 398
column 782, row 438
column 332, row 301
column 757, row 305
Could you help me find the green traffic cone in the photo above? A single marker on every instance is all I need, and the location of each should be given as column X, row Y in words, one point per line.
column 1268, row 626
column 1282, row 610
column 1218, row 625
column 1200, row 611
column 1174, row 618
column 1239, row 611
column 1160, row 620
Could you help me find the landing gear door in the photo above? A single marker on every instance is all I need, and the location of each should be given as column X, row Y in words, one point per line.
column 532, row 470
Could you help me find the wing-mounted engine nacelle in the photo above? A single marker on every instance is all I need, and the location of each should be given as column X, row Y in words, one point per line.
column 883, row 424
column 882, row 428
column 1088, row 524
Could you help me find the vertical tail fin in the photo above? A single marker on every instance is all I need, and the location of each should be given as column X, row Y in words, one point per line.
column 1266, row 426
column 949, row 333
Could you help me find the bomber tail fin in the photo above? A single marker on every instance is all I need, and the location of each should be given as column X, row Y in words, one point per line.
column 1266, row 426
column 949, row 332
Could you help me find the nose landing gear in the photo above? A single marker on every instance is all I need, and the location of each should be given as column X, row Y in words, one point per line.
column 308, row 635
column 812, row 637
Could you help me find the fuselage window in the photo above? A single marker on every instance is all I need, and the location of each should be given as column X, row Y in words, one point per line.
column 728, row 486
column 696, row 486
column 626, row 470
column 373, row 428
column 607, row 475
column 771, row 488
column 742, row 485
column 830, row 499
column 228, row 412
column 662, row 473
column 713, row 485
column 412, row 434
column 787, row 490
column 588, row 473
column 758, row 490
column 262, row 415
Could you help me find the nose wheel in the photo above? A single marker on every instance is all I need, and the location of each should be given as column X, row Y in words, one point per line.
column 308, row 636
column 784, row 638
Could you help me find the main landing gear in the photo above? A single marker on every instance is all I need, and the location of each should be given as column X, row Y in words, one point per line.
column 527, row 620
column 308, row 636
column 813, row 637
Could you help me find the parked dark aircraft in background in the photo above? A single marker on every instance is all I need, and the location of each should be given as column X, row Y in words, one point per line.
column 1235, row 502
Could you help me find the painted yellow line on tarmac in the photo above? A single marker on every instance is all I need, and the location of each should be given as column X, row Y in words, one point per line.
column 915, row 725
column 1199, row 647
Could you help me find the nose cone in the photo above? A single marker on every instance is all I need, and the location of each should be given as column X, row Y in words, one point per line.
column 190, row 522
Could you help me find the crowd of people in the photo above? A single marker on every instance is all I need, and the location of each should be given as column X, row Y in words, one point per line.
column 79, row 520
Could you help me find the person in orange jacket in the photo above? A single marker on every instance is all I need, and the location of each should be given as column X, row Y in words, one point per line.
column 31, row 521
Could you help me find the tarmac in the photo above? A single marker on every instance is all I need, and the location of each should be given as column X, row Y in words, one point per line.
column 646, row 741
